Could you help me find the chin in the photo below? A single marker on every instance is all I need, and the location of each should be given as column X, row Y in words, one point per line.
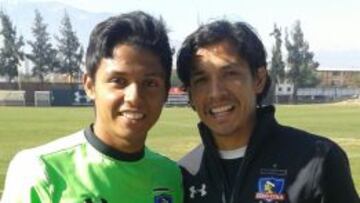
column 221, row 131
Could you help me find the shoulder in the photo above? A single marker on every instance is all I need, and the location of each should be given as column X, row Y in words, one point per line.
column 60, row 144
column 29, row 161
column 27, row 169
column 294, row 139
column 160, row 160
column 25, row 164
column 192, row 161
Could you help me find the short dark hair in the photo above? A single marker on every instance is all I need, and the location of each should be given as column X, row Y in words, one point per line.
column 241, row 35
column 135, row 28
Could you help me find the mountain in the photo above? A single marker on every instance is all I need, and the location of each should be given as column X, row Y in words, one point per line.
column 22, row 15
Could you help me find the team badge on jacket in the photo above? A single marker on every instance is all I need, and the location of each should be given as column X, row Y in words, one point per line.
column 270, row 189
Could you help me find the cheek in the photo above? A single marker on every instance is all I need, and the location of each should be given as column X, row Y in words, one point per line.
column 110, row 99
column 197, row 103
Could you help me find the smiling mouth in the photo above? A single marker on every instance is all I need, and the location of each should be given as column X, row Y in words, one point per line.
column 132, row 115
column 221, row 110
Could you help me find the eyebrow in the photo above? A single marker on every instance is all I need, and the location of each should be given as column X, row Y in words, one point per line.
column 228, row 66
column 147, row 74
column 197, row 72
column 231, row 66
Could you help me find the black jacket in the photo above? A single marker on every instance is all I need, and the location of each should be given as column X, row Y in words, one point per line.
column 281, row 165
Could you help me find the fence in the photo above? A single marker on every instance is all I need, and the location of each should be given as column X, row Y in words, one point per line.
column 12, row 98
column 181, row 99
column 76, row 96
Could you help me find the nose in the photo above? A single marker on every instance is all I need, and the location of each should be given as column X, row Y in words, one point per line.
column 216, row 88
column 132, row 94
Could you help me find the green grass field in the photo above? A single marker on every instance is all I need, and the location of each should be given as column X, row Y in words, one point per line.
column 175, row 133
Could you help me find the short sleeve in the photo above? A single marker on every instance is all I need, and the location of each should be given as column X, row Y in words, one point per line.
column 24, row 173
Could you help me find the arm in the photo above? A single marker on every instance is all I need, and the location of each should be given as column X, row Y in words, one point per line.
column 337, row 182
column 23, row 174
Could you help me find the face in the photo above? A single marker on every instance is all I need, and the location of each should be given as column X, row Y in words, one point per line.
column 223, row 92
column 129, row 92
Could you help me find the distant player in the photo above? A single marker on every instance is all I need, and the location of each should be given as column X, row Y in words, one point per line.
column 128, row 65
column 246, row 155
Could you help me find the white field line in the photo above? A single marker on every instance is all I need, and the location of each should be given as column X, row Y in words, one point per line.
column 347, row 141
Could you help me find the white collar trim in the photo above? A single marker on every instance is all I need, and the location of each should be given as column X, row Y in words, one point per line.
column 233, row 154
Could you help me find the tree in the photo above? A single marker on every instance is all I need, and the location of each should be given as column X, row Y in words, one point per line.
column 70, row 52
column 10, row 52
column 277, row 66
column 175, row 81
column 302, row 67
column 43, row 55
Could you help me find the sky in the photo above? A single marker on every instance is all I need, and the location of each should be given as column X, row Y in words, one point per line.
column 330, row 26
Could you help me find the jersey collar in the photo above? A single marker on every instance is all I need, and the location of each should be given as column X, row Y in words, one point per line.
column 110, row 151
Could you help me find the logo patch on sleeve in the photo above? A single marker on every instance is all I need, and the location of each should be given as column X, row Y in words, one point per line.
column 270, row 189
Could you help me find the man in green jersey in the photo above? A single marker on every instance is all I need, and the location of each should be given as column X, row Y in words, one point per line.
column 128, row 64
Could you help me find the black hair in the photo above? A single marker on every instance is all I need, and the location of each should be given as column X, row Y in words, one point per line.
column 136, row 28
column 241, row 35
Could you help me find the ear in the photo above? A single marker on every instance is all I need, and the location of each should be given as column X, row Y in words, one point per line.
column 260, row 79
column 89, row 86
column 190, row 100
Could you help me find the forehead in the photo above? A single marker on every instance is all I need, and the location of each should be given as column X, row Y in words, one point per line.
column 218, row 48
column 132, row 60
column 216, row 55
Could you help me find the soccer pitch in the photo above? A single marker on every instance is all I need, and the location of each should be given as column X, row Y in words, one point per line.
column 175, row 133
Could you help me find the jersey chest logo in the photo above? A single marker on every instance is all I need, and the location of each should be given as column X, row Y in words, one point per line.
column 163, row 198
column 271, row 185
column 95, row 200
column 161, row 195
column 270, row 189
column 197, row 191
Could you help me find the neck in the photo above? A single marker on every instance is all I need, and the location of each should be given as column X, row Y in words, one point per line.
column 231, row 142
column 118, row 142
column 237, row 139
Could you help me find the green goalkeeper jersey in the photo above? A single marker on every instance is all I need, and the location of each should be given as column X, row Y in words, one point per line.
column 81, row 169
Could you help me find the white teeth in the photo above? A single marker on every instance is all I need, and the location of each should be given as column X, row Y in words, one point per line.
column 221, row 109
column 133, row 115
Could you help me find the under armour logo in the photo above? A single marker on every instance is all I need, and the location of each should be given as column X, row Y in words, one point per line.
column 194, row 191
column 80, row 96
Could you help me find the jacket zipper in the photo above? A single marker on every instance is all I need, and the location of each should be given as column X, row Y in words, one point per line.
column 239, row 178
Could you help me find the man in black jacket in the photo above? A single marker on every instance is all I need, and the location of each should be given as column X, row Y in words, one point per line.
column 246, row 156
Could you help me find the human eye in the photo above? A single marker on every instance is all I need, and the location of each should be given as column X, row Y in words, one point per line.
column 197, row 80
column 118, row 81
column 152, row 82
column 231, row 73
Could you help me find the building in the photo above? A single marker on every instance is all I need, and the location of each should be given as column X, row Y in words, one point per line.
column 339, row 77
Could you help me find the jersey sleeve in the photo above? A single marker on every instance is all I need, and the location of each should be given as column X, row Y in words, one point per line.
column 23, row 180
column 337, row 182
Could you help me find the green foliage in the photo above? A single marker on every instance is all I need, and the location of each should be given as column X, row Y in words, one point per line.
column 175, row 80
column 10, row 53
column 302, row 67
column 43, row 55
column 70, row 52
column 277, row 66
